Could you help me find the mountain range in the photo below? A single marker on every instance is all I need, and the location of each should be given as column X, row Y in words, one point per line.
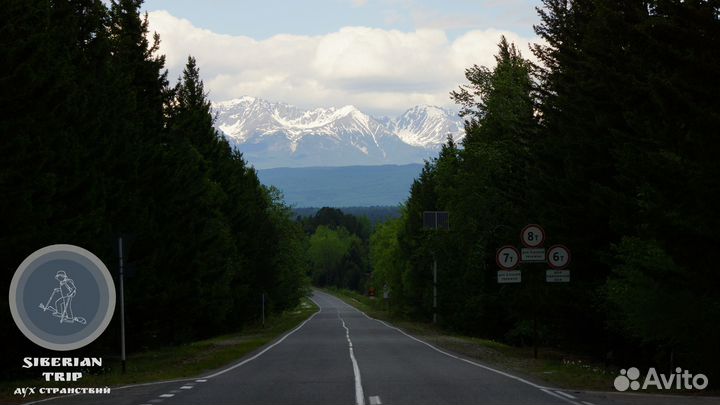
column 274, row 134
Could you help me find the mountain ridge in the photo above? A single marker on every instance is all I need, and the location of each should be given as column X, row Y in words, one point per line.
column 274, row 134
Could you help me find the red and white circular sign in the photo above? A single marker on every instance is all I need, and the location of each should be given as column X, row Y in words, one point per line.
column 558, row 256
column 532, row 236
column 507, row 257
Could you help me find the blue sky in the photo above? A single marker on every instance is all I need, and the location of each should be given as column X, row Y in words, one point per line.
column 383, row 56
column 263, row 19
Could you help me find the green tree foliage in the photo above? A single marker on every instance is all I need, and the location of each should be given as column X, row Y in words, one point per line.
column 375, row 214
column 326, row 250
column 95, row 143
column 386, row 259
column 336, row 218
column 631, row 111
column 482, row 185
column 610, row 143
column 338, row 248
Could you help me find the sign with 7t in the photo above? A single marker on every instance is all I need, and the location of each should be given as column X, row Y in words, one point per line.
column 507, row 257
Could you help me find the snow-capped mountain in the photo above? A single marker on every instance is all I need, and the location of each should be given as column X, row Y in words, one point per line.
column 281, row 135
column 427, row 126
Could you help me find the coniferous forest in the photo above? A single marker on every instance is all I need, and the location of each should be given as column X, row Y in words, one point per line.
column 98, row 143
column 609, row 140
column 611, row 144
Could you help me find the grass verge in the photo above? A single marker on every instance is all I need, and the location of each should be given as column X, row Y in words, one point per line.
column 552, row 367
column 177, row 362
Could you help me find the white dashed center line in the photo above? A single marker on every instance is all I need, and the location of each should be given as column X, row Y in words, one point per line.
column 359, row 396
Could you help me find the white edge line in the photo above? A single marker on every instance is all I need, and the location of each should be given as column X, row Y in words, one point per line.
column 465, row 360
column 522, row 380
column 547, row 391
column 195, row 378
column 277, row 342
column 565, row 394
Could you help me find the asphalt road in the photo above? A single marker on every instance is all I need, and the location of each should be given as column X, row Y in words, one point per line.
column 341, row 356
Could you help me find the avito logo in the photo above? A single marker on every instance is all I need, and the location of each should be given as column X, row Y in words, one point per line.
column 680, row 380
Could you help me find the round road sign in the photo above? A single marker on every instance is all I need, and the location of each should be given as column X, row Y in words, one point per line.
column 532, row 236
column 558, row 256
column 507, row 257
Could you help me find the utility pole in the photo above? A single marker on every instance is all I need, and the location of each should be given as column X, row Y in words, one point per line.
column 122, row 305
column 434, row 289
column 535, row 336
column 435, row 220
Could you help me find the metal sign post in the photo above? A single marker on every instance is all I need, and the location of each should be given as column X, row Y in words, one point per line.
column 434, row 289
column 435, row 220
column 122, row 305
column 386, row 296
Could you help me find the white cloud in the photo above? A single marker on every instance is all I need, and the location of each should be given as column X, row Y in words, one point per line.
column 380, row 71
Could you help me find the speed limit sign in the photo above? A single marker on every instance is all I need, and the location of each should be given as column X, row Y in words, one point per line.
column 532, row 236
column 507, row 257
column 558, row 256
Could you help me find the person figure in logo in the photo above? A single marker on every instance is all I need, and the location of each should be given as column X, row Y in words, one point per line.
column 63, row 305
column 67, row 291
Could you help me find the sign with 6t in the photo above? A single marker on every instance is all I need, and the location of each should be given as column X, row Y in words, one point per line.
column 532, row 236
column 558, row 256
column 507, row 257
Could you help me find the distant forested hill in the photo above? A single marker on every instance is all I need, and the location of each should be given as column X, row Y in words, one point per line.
column 349, row 186
column 375, row 214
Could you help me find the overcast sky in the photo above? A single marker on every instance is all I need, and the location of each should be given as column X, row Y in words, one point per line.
column 383, row 56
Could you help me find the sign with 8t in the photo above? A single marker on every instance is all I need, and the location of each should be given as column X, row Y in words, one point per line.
column 532, row 236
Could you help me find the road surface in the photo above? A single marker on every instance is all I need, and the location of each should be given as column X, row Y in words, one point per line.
column 341, row 356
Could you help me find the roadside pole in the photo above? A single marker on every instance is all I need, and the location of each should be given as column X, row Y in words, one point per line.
column 122, row 305
column 535, row 334
column 263, row 309
column 434, row 289
column 386, row 296
column 532, row 238
column 435, row 220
